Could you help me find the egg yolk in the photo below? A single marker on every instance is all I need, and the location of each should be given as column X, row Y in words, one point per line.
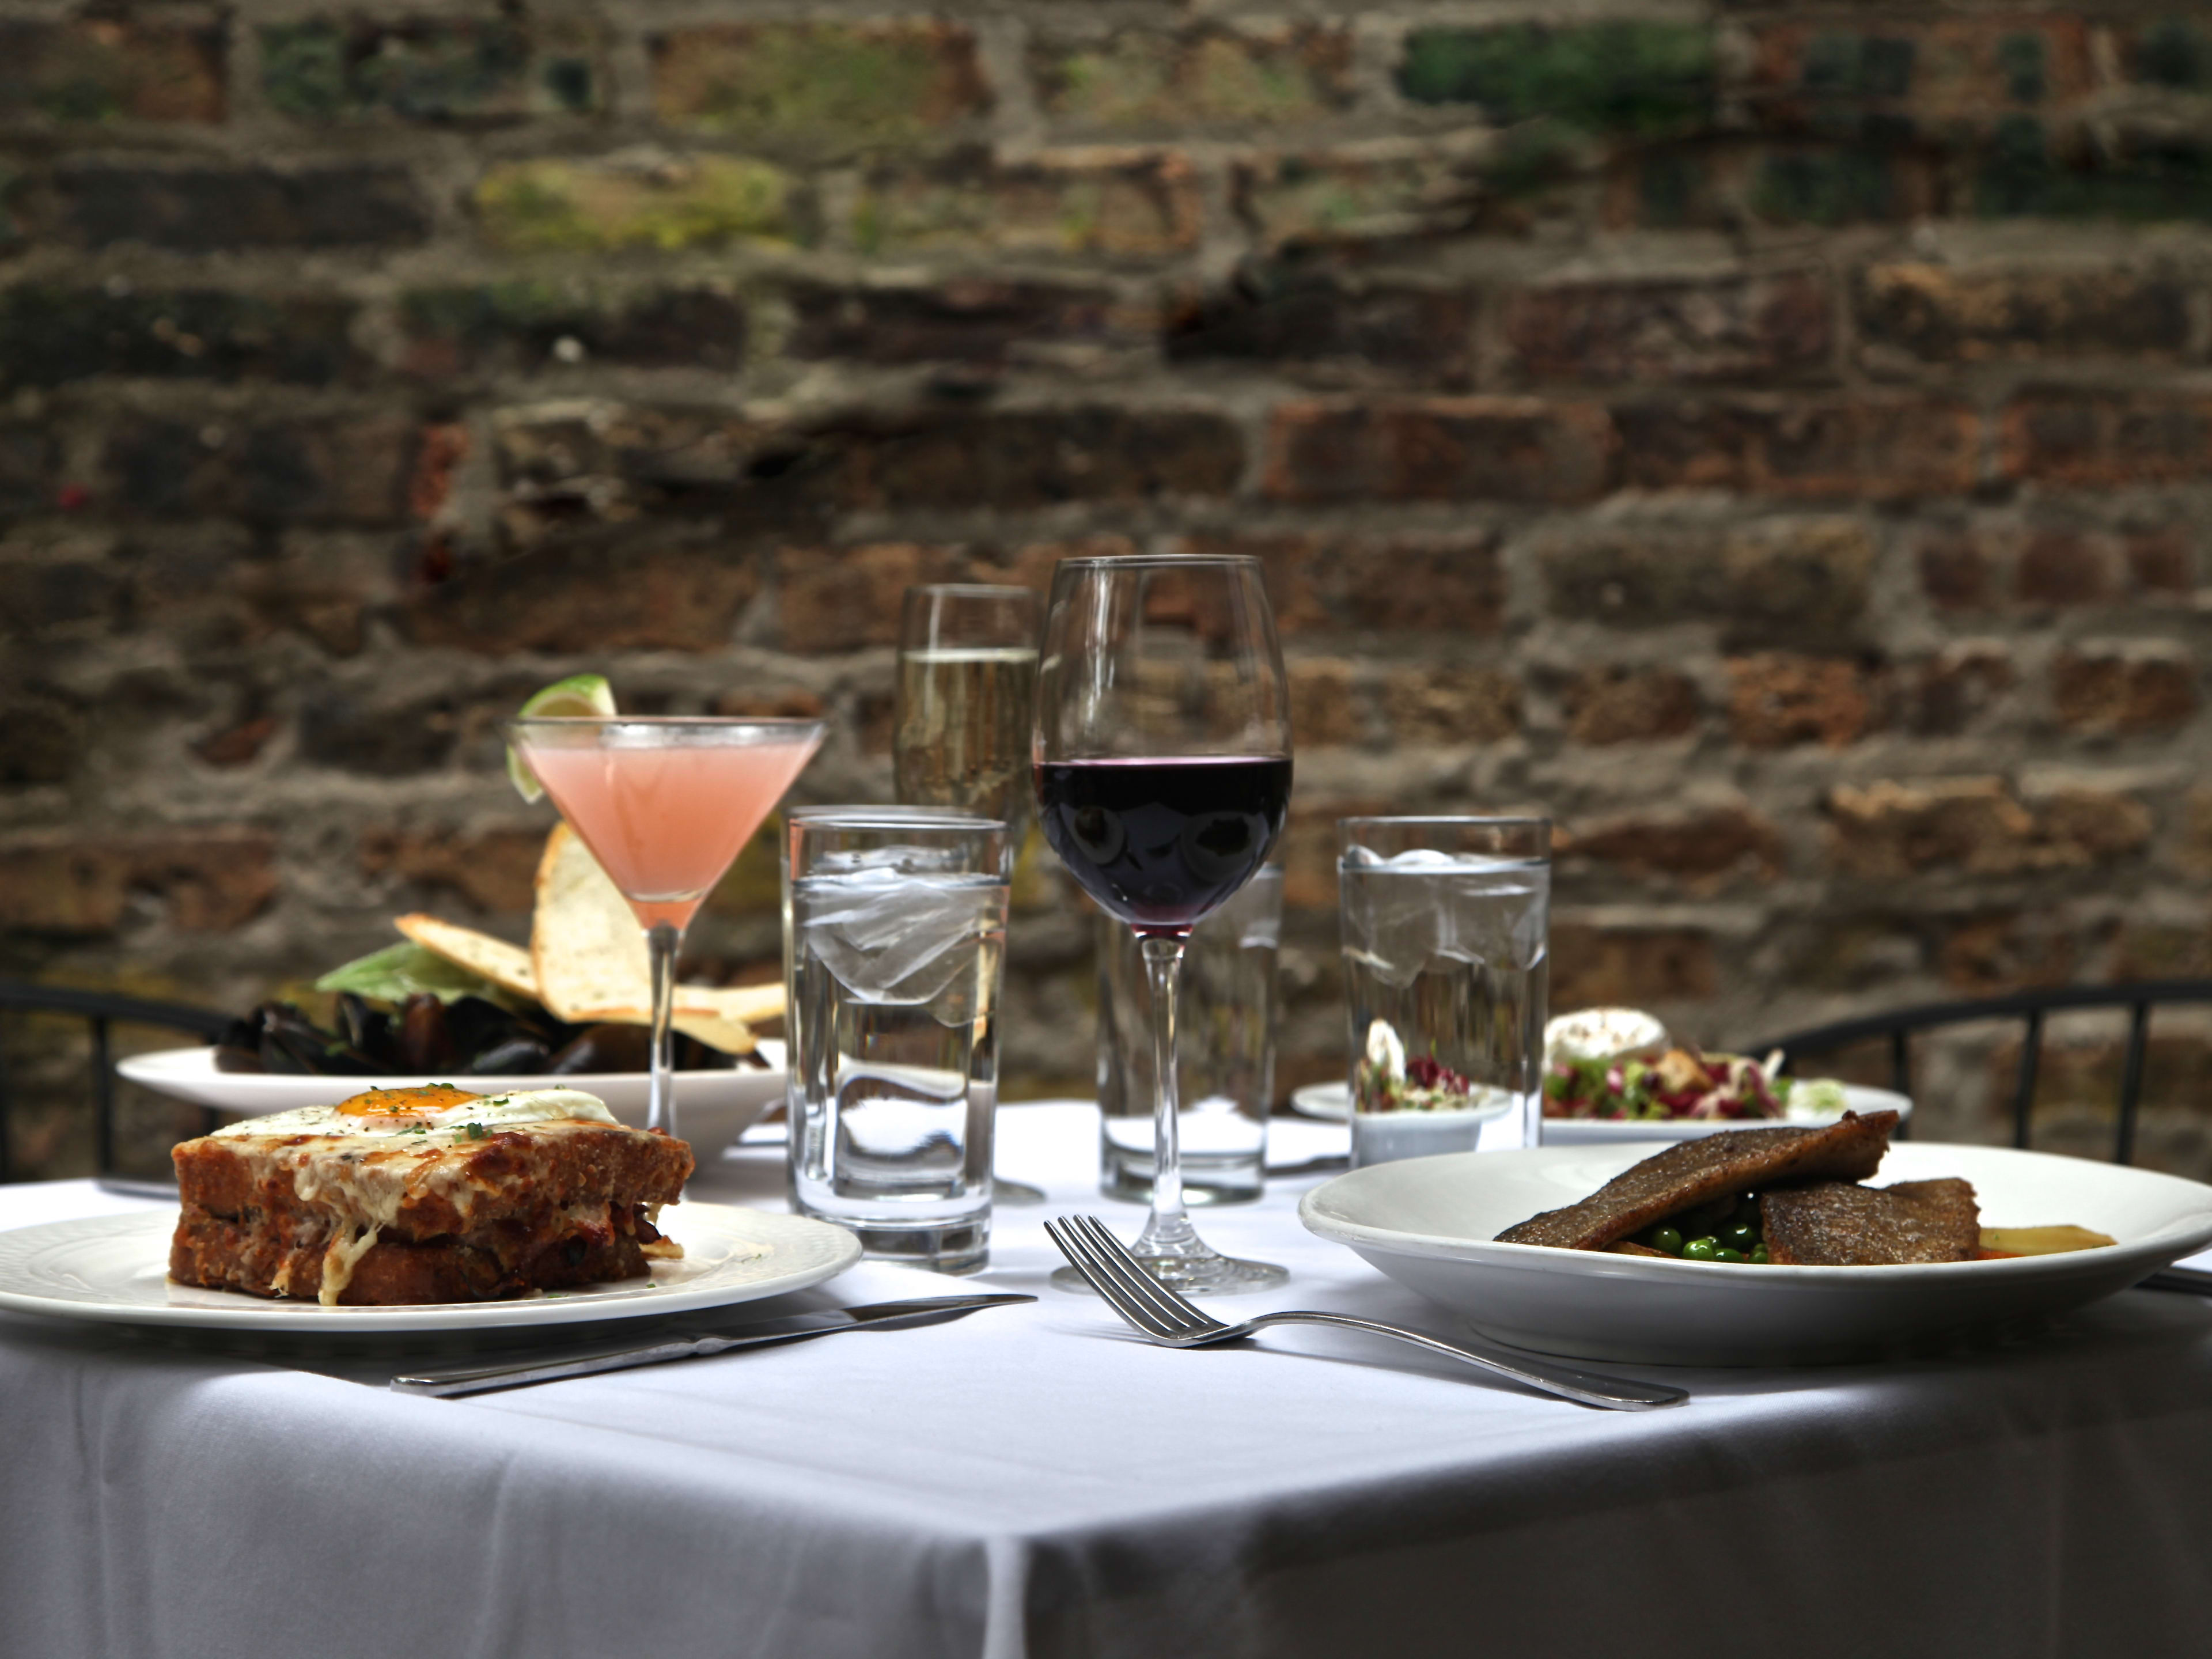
column 405, row 1103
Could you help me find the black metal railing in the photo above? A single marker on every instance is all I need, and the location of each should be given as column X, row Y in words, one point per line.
column 2031, row 1008
column 102, row 1012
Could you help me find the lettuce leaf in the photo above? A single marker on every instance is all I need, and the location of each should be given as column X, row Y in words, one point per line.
column 399, row 971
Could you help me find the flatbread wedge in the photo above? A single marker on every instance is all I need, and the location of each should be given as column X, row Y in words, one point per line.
column 508, row 966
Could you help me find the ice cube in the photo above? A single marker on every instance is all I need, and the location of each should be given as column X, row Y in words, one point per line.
column 893, row 937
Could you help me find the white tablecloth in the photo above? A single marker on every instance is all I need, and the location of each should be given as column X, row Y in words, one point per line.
column 1034, row 1480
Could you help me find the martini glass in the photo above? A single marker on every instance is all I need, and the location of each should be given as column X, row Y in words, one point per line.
column 665, row 803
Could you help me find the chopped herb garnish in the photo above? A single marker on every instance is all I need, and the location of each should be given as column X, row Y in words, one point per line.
column 474, row 1131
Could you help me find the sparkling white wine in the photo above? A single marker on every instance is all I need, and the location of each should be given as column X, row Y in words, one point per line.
column 963, row 737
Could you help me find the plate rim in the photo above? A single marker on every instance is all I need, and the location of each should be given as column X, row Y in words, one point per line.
column 132, row 1068
column 1493, row 1254
column 306, row 1319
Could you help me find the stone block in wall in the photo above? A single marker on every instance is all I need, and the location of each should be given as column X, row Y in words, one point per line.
column 1442, row 449
column 831, row 599
column 117, row 68
column 1284, row 315
column 197, row 209
column 208, row 881
column 492, row 870
column 979, row 320
column 825, row 86
column 2032, row 168
column 525, row 325
column 1975, row 825
column 1836, row 448
column 1136, row 79
column 1621, row 703
column 1450, row 705
column 2122, row 691
column 306, row 470
column 436, row 70
column 1612, row 966
column 1730, row 328
column 1950, row 692
column 1779, row 699
column 637, row 199
column 1932, row 313
column 1627, row 78
column 1350, row 194
column 1913, row 77
column 1018, row 459
column 1771, row 580
column 1109, row 203
column 53, row 333
column 1706, row 849
column 632, row 595
column 2102, row 439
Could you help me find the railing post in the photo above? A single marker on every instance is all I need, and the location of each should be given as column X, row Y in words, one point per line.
column 2131, row 1072
column 2023, row 1099
column 103, row 1096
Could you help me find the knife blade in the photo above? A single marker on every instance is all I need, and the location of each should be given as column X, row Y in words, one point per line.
column 2193, row 1281
column 448, row 1382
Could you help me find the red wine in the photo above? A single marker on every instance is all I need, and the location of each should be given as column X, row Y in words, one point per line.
column 1161, row 843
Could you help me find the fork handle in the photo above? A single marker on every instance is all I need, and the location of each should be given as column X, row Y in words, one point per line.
column 1613, row 1393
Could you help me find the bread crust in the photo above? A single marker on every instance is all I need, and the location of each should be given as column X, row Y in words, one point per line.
column 361, row 1221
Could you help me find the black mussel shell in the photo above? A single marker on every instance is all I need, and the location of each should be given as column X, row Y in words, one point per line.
column 692, row 1055
column 604, row 1049
column 370, row 1031
column 292, row 1042
column 519, row 1056
column 426, row 1047
column 239, row 1048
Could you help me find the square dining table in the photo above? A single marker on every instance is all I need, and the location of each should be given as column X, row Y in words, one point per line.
column 1035, row 1480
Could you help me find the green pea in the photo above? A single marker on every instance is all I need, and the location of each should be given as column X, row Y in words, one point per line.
column 1759, row 1257
column 1729, row 1255
column 1701, row 1250
column 1668, row 1239
column 1741, row 1236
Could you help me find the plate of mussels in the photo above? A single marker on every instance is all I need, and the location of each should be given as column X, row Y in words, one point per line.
column 406, row 1016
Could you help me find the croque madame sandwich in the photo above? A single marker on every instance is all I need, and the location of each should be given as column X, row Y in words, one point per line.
column 428, row 1194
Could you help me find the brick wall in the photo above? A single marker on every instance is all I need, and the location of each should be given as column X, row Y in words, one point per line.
column 1774, row 439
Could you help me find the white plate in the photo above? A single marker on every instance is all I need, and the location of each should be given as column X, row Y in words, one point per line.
column 1431, row 1223
column 115, row 1268
column 1619, row 1132
column 1334, row 1101
column 713, row 1108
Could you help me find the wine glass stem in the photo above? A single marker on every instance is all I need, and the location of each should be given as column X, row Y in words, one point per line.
column 661, row 940
column 1168, row 1229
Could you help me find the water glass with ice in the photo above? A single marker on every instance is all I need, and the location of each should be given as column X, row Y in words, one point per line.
column 896, row 950
column 1446, row 935
column 1224, row 1051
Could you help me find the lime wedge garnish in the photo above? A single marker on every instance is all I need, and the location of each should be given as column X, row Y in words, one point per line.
column 580, row 694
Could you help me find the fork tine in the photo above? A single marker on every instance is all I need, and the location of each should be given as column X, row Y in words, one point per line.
column 1100, row 1277
column 1125, row 1286
column 1179, row 1315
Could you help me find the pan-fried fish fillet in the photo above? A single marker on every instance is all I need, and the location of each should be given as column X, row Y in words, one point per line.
column 1696, row 1172
column 1831, row 1223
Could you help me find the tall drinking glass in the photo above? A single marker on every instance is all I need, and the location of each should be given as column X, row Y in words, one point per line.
column 967, row 672
column 665, row 803
column 1163, row 763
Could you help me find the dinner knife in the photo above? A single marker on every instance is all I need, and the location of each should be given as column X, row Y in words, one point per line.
column 2193, row 1280
column 763, row 1334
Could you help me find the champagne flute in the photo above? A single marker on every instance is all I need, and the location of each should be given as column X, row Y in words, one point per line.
column 966, row 677
column 967, row 674
column 665, row 803
column 1162, row 765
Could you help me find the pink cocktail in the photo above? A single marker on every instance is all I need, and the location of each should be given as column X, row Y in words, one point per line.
column 665, row 806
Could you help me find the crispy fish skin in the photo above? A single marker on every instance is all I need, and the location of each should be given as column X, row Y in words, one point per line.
column 1832, row 1223
column 1697, row 1171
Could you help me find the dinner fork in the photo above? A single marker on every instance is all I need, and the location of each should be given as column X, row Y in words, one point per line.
column 1168, row 1319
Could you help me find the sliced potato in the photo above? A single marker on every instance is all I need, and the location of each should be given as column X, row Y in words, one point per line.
column 508, row 966
column 2042, row 1241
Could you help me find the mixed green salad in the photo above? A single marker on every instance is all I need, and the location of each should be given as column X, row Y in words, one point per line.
column 1682, row 1083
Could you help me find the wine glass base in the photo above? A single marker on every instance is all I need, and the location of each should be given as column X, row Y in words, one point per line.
column 1209, row 1276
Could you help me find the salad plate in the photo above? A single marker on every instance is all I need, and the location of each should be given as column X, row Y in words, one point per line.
column 1431, row 1224
column 1614, row 1132
column 713, row 1108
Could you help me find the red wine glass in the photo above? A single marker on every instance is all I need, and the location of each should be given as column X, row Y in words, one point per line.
column 1163, row 763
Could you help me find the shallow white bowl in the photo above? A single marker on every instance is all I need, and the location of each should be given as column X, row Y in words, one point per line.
column 1431, row 1223
column 713, row 1108
column 1619, row 1131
